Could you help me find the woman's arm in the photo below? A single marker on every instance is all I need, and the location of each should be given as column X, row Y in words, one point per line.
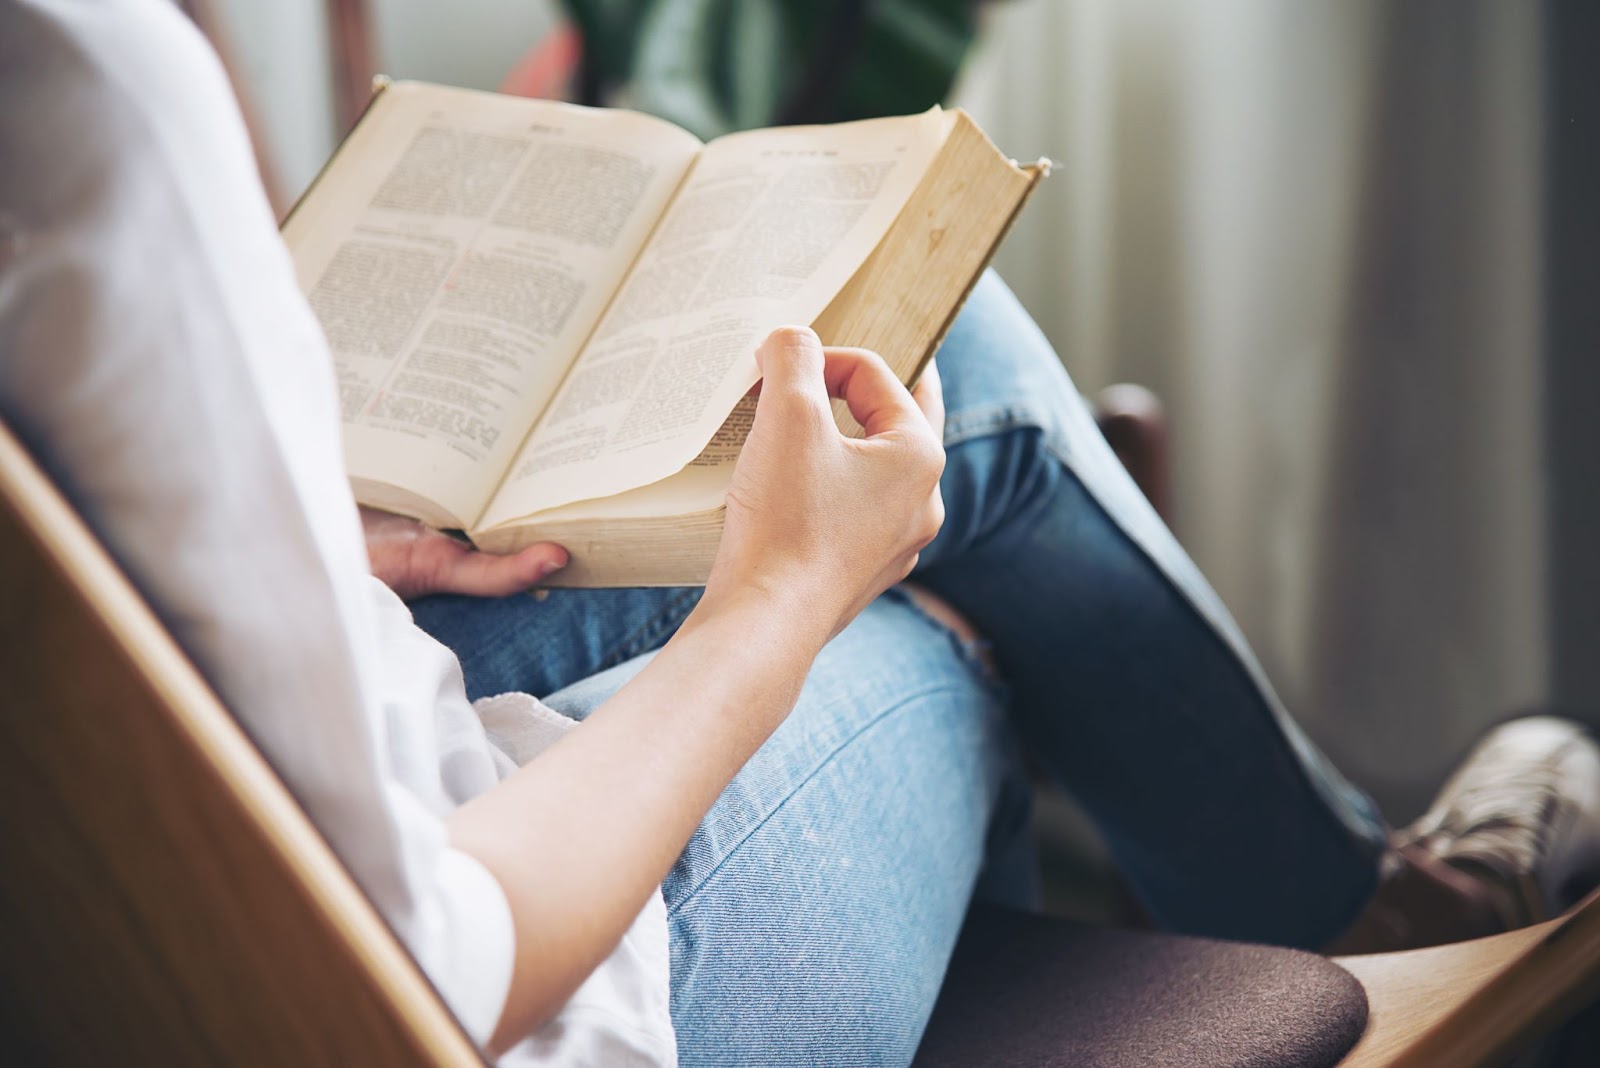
column 818, row 524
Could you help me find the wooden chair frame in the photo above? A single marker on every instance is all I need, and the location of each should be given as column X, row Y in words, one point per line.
column 166, row 901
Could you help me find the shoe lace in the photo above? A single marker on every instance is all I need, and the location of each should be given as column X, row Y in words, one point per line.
column 1497, row 810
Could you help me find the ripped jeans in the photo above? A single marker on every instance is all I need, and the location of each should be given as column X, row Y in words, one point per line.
column 814, row 911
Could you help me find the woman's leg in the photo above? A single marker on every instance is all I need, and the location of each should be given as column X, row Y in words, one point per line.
column 1131, row 684
column 540, row 641
column 814, row 911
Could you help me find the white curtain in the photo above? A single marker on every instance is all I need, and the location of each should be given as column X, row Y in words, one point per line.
column 1314, row 230
column 282, row 51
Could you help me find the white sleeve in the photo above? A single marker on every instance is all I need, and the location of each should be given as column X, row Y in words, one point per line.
column 157, row 356
column 462, row 941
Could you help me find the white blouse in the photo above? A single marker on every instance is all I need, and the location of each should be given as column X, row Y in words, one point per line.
column 157, row 355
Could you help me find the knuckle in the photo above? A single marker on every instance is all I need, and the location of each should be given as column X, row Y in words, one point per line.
column 929, row 455
column 792, row 402
column 787, row 392
column 856, row 353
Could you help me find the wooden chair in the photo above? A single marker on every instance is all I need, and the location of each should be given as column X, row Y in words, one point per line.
column 165, row 900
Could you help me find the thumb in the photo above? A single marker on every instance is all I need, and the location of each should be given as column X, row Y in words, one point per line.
column 791, row 363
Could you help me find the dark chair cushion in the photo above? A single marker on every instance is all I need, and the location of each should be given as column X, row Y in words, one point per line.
column 1036, row 991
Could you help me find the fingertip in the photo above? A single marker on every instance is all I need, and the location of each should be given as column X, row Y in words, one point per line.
column 794, row 335
column 787, row 340
column 552, row 559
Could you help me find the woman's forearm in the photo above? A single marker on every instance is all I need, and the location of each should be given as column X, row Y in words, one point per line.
column 817, row 524
column 580, row 837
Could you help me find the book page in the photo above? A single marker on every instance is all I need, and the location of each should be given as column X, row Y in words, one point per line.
column 458, row 252
column 701, row 485
column 766, row 229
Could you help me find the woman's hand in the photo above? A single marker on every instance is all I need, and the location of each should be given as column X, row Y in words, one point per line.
column 414, row 560
column 820, row 523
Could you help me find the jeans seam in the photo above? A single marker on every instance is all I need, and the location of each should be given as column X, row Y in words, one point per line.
column 816, row 770
column 970, row 424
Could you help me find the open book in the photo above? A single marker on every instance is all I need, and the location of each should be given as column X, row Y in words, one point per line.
column 544, row 317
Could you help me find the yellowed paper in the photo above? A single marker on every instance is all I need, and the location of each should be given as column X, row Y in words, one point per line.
column 766, row 229
column 465, row 253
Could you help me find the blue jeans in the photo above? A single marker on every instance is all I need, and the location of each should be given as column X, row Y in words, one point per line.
column 814, row 911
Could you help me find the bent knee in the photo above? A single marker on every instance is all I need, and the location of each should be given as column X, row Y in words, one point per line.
column 943, row 613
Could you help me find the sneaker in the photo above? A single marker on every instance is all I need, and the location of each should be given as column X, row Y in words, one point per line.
column 1513, row 838
column 1523, row 811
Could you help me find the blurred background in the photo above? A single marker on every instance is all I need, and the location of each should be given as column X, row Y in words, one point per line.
column 1349, row 243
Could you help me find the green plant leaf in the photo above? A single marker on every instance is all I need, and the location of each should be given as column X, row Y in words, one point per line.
column 717, row 65
column 673, row 65
column 909, row 58
column 609, row 29
column 755, row 62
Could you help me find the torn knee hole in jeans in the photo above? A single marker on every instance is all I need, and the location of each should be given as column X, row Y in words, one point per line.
column 967, row 637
